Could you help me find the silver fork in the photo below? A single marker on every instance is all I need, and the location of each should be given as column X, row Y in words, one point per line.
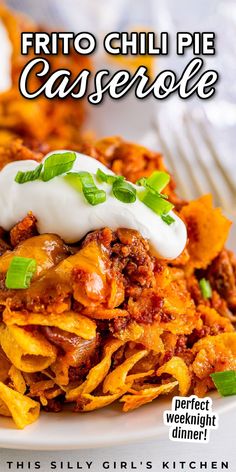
column 194, row 160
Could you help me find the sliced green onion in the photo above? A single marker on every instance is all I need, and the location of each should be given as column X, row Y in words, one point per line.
column 156, row 203
column 205, row 287
column 57, row 164
column 84, row 181
column 20, row 272
column 73, row 179
column 109, row 179
column 142, row 181
column 157, row 181
column 93, row 195
column 124, row 191
column 225, row 382
column 152, row 196
column 29, row 175
column 167, row 219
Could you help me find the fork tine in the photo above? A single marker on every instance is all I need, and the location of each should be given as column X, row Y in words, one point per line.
column 219, row 196
column 166, row 150
column 187, row 163
column 216, row 157
column 189, row 168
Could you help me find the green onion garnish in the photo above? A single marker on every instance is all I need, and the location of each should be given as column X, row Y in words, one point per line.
column 20, row 272
column 73, row 180
column 142, row 181
column 109, row 179
column 152, row 196
column 124, row 191
column 167, row 219
column 205, row 287
column 156, row 182
column 84, row 181
column 225, row 382
column 156, row 203
column 57, row 164
column 22, row 177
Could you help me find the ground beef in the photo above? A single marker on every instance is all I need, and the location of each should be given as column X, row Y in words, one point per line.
column 133, row 267
column 80, row 372
column 118, row 324
column 4, row 246
column 16, row 151
column 221, row 275
column 146, row 308
column 54, row 404
column 104, row 236
column 129, row 255
column 25, row 229
column 182, row 349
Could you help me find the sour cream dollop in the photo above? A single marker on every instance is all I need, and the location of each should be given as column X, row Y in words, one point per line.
column 62, row 210
column 5, row 59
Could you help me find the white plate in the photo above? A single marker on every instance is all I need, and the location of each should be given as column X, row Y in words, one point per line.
column 106, row 427
column 101, row 428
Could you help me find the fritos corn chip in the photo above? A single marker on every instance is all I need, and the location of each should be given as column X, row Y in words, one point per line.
column 88, row 402
column 132, row 332
column 17, row 379
column 204, row 243
column 5, row 365
column 147, row 395
column 177, row 368
column 116, row 380
column 151, row 337
column 67, row 321
column 97, row 373
column 27, row 351
column 23, row 410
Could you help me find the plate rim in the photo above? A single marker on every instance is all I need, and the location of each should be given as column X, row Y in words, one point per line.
column 159, row 431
